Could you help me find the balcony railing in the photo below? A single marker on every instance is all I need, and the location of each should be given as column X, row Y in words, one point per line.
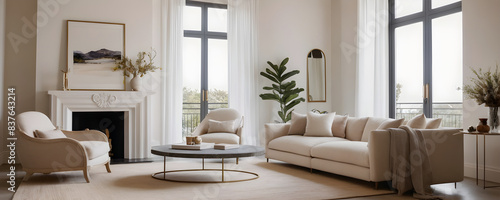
column 191, row 115
column 450, row 112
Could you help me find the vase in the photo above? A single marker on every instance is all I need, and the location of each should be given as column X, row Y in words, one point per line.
column 493, row 119
column 136, row 83
column 483, row 127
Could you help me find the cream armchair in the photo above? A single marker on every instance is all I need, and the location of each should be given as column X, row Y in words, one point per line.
column 77, row 151
column 222, row 114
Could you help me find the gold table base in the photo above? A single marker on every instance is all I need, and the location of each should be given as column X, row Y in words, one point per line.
column 164, row 172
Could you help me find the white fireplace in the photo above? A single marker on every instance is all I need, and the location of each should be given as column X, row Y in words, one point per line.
column 135, row 105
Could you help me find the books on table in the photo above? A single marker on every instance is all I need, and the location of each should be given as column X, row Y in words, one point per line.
column 193, row 147
column 226, row 146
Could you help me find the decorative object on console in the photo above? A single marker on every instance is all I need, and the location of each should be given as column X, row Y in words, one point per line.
column 483, row 127
column 93, row 48
column 485, row 88
column 283, row 92
column 471, row 129
column 141, row 67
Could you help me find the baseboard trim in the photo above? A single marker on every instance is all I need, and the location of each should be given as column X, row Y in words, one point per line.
column 492, row 173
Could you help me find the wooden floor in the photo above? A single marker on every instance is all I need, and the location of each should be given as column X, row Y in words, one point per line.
column 465, row 190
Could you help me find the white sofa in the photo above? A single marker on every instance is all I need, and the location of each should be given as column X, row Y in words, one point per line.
column 364, row 152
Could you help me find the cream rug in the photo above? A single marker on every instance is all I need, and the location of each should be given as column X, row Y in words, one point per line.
column 133, row 181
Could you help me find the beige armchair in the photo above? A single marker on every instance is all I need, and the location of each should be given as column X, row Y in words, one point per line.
column 78, row 150
column 222, row 114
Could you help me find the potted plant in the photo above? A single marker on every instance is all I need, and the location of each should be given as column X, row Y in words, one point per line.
column 284, row 92
column 485, row 89
column 137, row 69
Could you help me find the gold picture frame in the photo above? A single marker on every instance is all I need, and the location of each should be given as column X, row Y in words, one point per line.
column 93, row 48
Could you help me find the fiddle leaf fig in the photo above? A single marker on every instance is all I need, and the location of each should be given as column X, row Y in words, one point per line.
column 284, row 92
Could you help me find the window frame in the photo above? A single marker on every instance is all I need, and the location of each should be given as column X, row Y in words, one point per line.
column 425, row 16
column 204, row 35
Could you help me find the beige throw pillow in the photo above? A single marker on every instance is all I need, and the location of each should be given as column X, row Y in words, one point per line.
column 390, row 123
column 297, row 124
column 417, row 122
column 319, row 124
column 338, row 126
column 215, row 126
column 49, row 134
column 433, row 123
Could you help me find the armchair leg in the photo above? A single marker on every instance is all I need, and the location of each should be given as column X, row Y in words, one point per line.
column 268, row 160
column 86, row 175
column 107, row 167
column 27, row 176
column 237, row 160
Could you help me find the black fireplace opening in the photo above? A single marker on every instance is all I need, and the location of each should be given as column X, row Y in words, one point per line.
column 113, row 121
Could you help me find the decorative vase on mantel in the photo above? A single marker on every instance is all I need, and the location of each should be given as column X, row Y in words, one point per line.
column 136, row 83
column 483, row 127
column 493, row 118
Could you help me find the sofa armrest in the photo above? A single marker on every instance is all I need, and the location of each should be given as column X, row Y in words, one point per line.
column 49, row 155
column 275, row 130
column 379, row 145
column 86, row 135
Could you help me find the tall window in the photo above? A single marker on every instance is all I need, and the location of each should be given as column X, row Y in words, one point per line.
column 426, row 59
column 205, row 61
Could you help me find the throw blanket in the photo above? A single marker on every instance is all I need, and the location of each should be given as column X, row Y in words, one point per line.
column 410, row 162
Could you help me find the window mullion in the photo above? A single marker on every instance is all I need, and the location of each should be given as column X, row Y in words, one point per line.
column 427, row 57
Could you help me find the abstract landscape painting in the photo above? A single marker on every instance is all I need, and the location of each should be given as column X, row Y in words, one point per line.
column 93, row 49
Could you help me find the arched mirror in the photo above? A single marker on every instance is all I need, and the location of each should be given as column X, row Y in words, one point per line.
column 316, row 76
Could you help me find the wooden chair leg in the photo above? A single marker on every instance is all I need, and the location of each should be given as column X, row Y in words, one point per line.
column 27, row 176
column 237, row 160
column 86, row 175
column 268, row 160
column 376, row 185
column 107, row 167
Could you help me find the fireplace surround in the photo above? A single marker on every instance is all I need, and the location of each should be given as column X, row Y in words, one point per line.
column 136, row 106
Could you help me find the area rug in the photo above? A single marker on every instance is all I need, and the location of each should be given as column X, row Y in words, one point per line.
column 133, row 181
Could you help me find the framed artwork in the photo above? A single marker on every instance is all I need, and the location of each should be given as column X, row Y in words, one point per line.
column 93, row 48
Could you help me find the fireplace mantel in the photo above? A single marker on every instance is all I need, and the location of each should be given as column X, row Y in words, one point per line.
column 136, row 106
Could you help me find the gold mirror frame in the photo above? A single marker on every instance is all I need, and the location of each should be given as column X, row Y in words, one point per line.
column 314, row 76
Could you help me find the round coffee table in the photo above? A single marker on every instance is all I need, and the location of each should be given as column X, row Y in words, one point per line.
column 242, row 151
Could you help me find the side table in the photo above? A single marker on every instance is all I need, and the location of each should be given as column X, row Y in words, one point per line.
column 477, row 134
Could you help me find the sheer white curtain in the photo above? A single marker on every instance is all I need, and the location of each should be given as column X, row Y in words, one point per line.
column 242, row 65
column 172, row 37
column 372, row 89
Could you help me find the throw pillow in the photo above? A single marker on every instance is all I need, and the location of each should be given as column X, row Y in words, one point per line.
column 49, row 134
column 319, row 124
column 338, row 126
column 390, row 123
column 371, row 124
column 215, row 126
column 297, row 124
column 355, row 127
column 433, row 123
column 417, row 122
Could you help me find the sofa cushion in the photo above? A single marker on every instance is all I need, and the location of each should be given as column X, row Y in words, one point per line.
column 417, row 122
column 95, row 148
column 351, row 152
column 319, row 124
column 354, row 128
column 299, row 144
column 49, row 134
column 379, row 124
column 215, row 126
column 227, row 138
column 433, row 123
column 371, row 124
column 297, row 124
column 338, row 126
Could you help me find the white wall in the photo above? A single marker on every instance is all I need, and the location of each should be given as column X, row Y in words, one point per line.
column 19, row 60
column 481, row 50
column 2, row 73
column 291, row 28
